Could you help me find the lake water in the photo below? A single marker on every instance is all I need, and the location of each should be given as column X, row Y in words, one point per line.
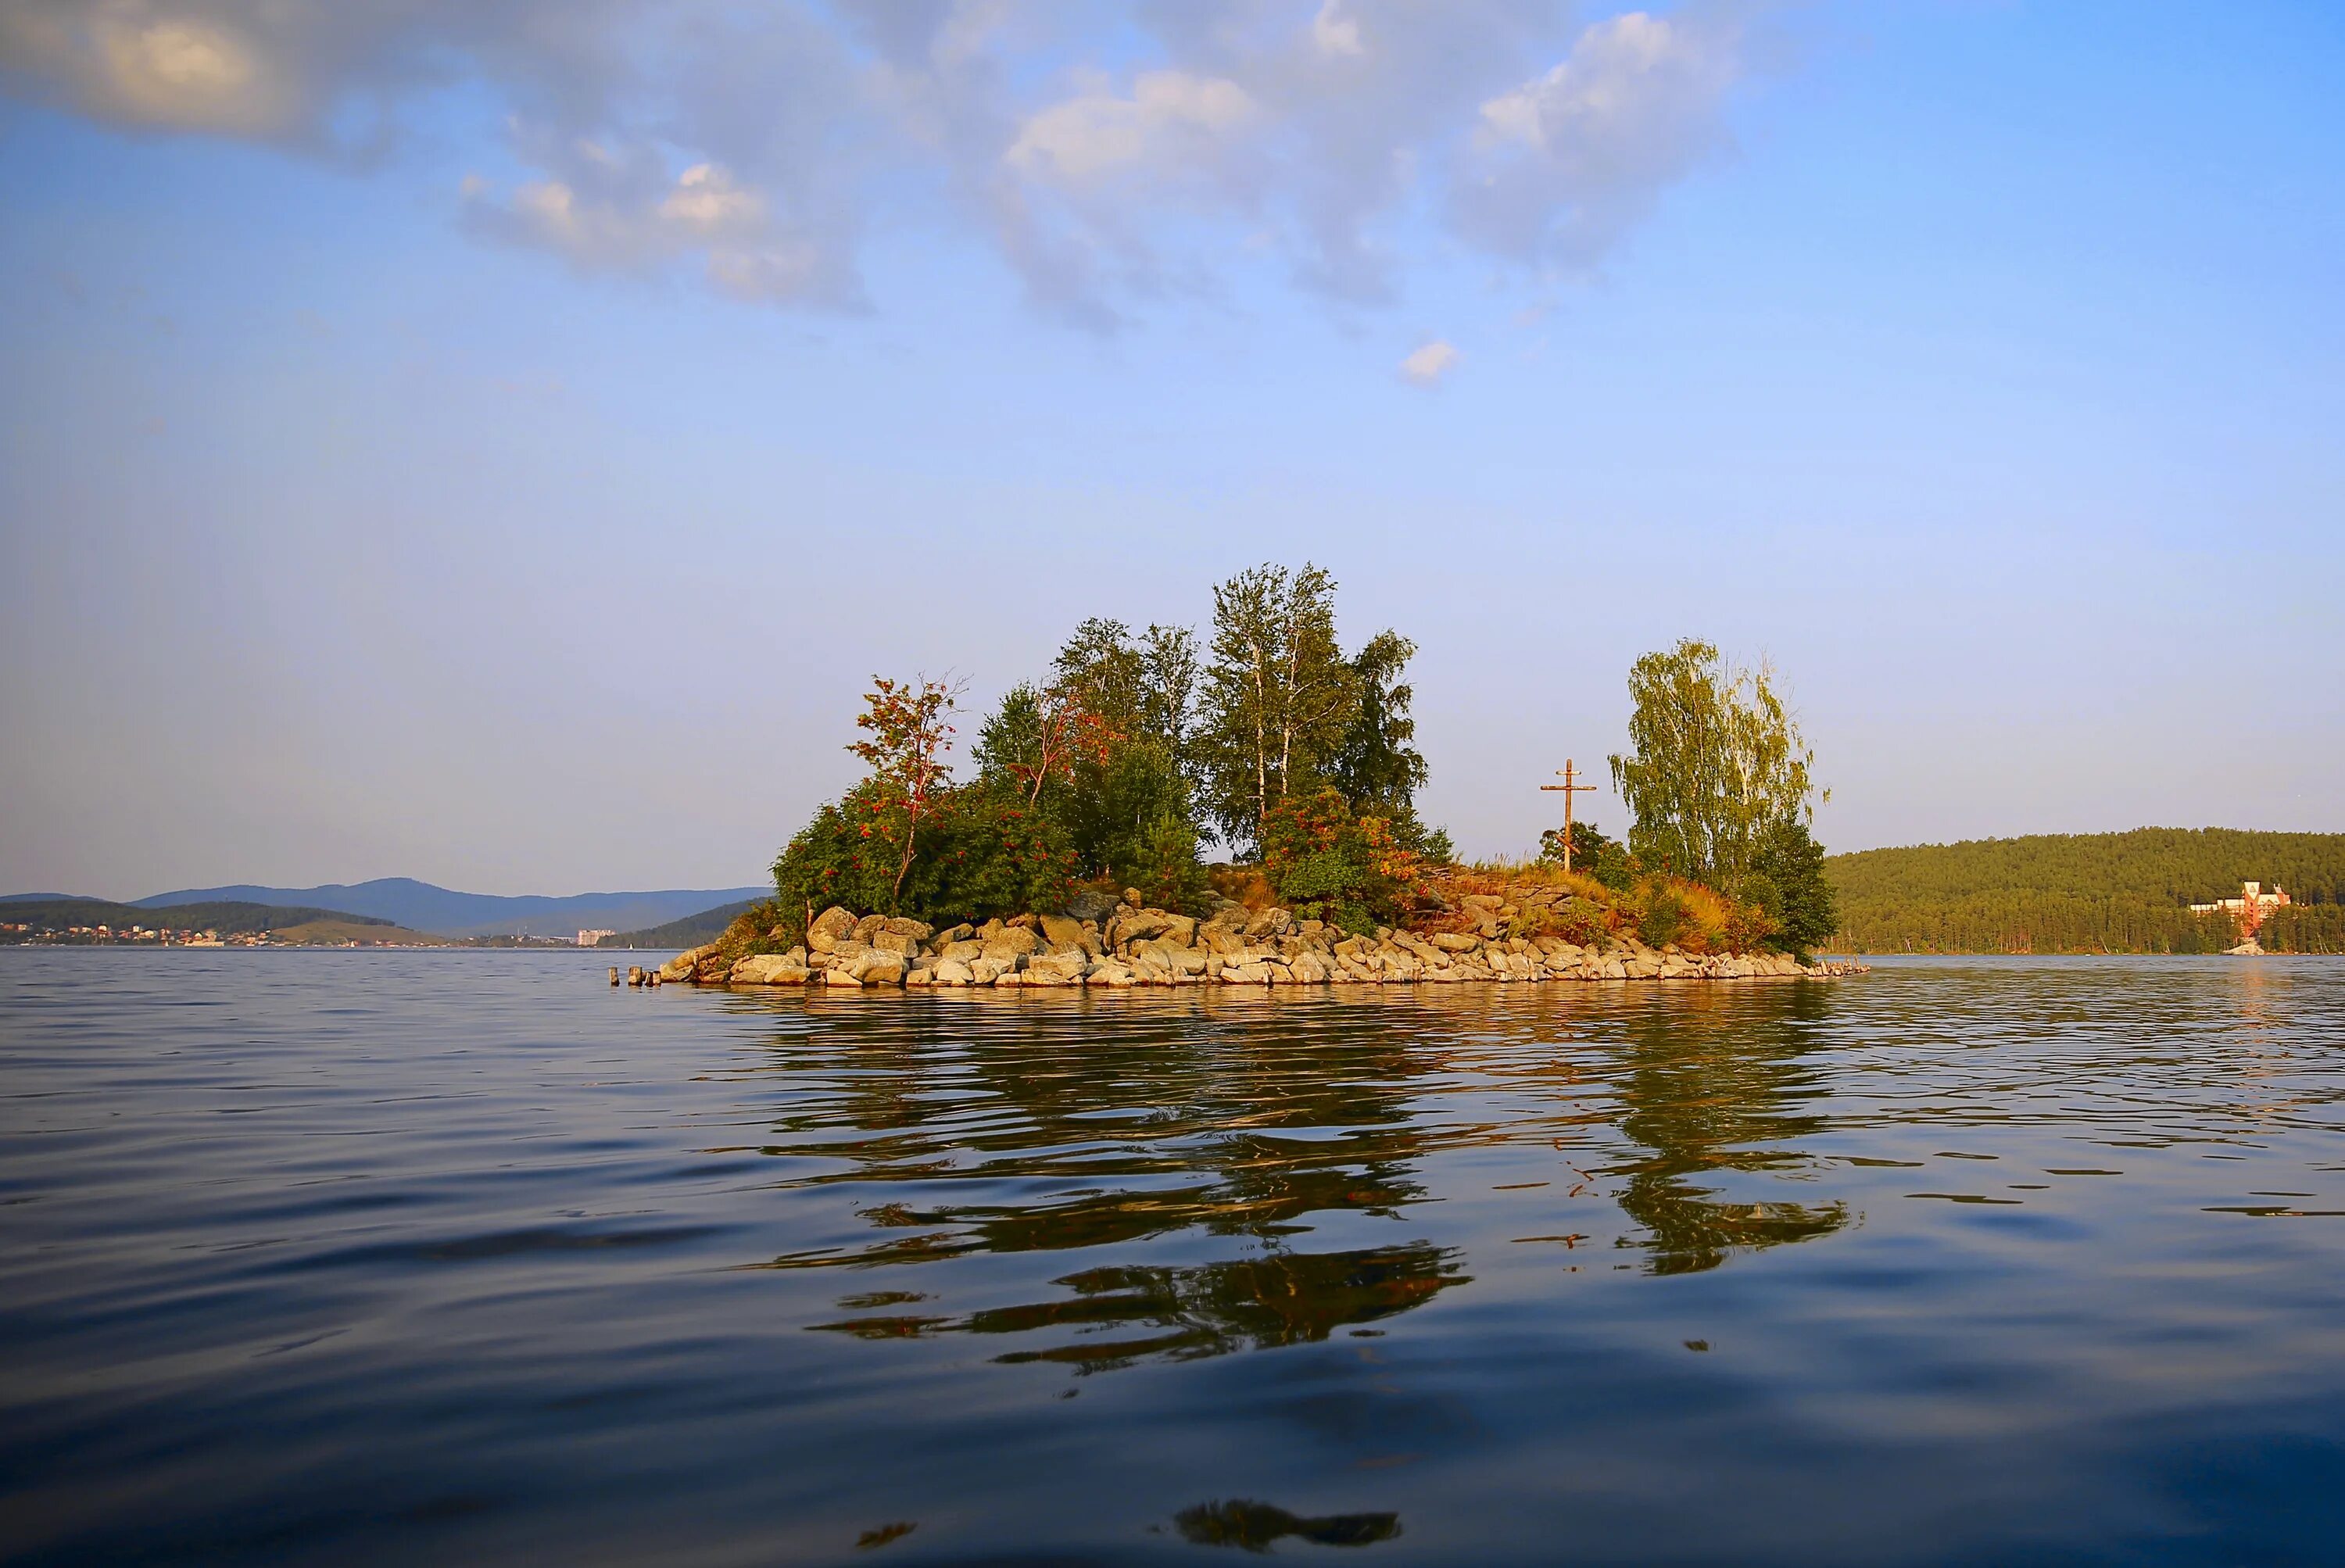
column 378, row 1256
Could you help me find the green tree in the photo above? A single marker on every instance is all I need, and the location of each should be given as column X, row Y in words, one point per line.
column 1787, row 881
column 1596, row 852
column 1279, row 694
column 1101, row 671
column 1718, row 760
column 1376, row 767
column 1099, row 752
column 1168, row 695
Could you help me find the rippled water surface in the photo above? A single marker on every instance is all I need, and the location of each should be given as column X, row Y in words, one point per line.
column 380, row 1256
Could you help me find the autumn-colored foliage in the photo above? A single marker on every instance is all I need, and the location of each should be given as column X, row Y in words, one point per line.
column 908, row 736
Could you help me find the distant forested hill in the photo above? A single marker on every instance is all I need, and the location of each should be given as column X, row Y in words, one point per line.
column 423, row 907
column 2115, row 892
column 690, row 931
column 229, row 918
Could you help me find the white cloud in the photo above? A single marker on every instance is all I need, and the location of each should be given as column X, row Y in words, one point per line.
column 1171, row 117
column 705, row 201
column 1429, row 363
column 1335, row 33
column 1113, row 155
column 1567, row 162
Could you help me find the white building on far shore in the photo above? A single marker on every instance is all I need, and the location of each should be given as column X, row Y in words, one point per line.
column 2252, row 897
column 589, row 938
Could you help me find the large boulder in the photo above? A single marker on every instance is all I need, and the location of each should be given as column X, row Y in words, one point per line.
column 830, row 928
column 1221, row 939
column 895, row 941
column 879, row 966
column 1137, row 925
column 1089, row 905
column 684, row 964
column 1056, row 968
column 962, row 952
column 952, row 972
column 1061, row 934
column 770, row 969
column 1455, row 941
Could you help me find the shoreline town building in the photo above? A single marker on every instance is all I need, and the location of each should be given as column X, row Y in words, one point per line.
column 2253, row 902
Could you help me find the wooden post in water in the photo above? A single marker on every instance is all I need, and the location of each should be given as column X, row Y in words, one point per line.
column 1568, row 789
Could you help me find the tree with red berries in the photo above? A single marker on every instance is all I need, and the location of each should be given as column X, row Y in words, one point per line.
column 909, row 732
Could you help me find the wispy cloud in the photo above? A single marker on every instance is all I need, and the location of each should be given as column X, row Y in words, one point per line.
column 1112, row 155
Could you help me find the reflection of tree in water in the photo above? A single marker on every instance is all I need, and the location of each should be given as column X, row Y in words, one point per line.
column 1256, row 1525
column 1107, row 1131
column 1209, row 1309
column 1712, row 1079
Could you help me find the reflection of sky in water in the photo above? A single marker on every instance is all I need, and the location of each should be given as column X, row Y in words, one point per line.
column 1504, row 1267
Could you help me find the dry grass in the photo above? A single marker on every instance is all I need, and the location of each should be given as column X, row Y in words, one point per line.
column 1245, row 885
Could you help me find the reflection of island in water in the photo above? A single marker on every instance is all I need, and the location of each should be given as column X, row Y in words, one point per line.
column 1209, row 1309
column 1067, row 1136
column 1183, row 1123
column 1256, row 1526
column 1718, row 1085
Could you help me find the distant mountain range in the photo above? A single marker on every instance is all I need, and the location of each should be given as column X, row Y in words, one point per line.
column 420, row 906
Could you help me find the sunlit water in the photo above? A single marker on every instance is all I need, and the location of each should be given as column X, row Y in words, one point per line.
column 442, row 1257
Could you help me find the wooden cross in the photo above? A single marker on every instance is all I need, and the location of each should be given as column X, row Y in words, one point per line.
column 1568, row 789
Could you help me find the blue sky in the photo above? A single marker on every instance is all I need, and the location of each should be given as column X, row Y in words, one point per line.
column 368, row 508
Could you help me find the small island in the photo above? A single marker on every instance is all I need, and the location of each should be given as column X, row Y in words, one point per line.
column 1075, row 855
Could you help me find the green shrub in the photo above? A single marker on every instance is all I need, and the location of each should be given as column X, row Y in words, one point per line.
column 1161, row 862
column 989, row 854
column 980, row 853
column 1661, row 913
column 1328, row 864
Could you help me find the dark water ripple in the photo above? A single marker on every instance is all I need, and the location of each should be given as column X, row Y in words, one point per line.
column 378, row 1257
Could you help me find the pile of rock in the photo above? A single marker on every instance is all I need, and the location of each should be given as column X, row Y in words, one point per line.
column 1233, row 946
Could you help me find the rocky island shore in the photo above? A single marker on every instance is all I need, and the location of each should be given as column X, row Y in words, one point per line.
column 1492, row 937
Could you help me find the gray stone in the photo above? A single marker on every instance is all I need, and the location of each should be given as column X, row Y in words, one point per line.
column 1089, row 905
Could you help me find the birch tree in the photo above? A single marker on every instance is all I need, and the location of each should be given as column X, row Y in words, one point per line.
column 1717, row 762
column 1279, row 695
